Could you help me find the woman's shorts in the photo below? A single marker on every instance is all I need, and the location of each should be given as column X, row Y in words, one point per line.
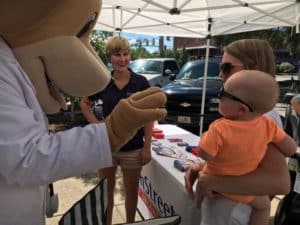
column 222, row 211
column 128, row 160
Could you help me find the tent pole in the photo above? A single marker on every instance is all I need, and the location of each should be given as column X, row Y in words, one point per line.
column 297, row 6
column 204, row 86
column 114, row 19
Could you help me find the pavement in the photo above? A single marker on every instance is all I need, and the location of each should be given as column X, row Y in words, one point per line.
column 70, row 190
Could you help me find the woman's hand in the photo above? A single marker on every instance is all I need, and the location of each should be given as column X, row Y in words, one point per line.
column 190, row 177
column 202, row 189
column 87, row 111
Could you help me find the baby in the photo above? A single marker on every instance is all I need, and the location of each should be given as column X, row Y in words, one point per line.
column 235, row 144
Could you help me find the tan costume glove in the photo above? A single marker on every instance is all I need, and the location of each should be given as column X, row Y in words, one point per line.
column 132, row 113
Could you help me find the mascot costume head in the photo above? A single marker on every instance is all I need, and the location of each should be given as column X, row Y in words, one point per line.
column 50, row 39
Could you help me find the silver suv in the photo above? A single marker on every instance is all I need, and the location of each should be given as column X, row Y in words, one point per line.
column 158, row 71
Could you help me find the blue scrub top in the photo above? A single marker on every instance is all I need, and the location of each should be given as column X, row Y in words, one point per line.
column 111, row 95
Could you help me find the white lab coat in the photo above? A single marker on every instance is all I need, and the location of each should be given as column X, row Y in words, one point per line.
column 30, row 158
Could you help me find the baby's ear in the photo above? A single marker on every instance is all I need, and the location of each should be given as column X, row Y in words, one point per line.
column 243, row 109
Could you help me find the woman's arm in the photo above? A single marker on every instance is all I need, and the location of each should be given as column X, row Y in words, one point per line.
column 146, row 151
column 85, row 106
column 270, row 178
column 287, row 146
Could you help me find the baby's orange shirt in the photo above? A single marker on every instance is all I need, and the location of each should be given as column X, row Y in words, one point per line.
column 237, row 147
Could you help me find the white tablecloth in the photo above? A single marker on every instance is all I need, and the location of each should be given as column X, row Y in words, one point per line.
column 161, row 187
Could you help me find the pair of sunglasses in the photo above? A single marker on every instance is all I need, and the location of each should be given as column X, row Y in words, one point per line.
column 227, row 67
column 224, row 93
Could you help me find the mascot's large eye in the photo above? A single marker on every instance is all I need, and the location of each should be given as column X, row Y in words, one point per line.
column 86, row 26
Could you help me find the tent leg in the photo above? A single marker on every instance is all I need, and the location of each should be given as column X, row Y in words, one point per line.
column 204, row 87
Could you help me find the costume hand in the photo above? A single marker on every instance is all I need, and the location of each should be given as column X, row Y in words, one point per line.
column 190, row 177
column 132, row 113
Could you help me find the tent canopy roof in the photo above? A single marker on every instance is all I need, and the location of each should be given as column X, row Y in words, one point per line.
column 196, row 18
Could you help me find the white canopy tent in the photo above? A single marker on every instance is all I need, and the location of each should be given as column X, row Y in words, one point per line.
column 191, row 18
column 197, row 18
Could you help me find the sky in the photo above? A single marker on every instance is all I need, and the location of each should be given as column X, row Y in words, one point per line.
column 132, row 38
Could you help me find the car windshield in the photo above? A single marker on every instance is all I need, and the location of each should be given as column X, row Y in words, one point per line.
column 195, row 70
column 146, row 66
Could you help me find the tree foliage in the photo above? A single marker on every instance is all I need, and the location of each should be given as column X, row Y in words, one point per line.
column 140, row 52
column 278, row 38
column 98, row 43
column 179, row 54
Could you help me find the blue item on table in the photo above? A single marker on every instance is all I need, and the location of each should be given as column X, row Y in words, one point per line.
column 189, row 148
column 178, row 164
column 193, row 150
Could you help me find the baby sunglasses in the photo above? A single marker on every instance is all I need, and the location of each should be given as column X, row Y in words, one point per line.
column 223, row 93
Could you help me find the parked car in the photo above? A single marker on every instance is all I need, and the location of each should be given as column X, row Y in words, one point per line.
column 68, row 118
column 287, row 83
column 184, row 95
column 157, row 70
